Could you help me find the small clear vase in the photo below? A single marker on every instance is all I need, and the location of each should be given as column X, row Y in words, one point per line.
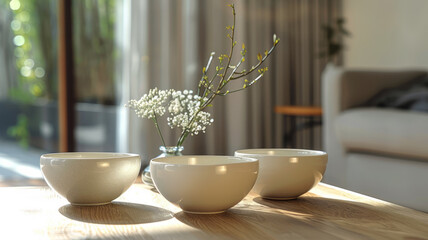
column 166, row 152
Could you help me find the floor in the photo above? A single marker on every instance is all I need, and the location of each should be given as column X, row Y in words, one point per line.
column 19, row 166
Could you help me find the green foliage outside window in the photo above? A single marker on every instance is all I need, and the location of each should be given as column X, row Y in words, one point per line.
column 34, row 49
column 32, row 25
column 94, row 50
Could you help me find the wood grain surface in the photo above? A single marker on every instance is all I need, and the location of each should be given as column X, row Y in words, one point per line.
column 325, row 212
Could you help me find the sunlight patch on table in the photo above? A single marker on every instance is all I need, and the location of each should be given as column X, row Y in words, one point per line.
column 14, row 165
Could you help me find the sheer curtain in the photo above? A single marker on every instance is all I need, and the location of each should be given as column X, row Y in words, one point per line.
column 166, row 43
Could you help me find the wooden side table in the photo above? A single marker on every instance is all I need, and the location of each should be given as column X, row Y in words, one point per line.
column 299, row 111
column 311, row 113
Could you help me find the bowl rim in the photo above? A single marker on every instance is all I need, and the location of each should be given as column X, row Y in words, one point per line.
column 105, row 155
column 262, row 152
column 164, row 160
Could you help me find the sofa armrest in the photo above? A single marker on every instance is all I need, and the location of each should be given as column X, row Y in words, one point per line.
column 330, row 101
column 343, row 89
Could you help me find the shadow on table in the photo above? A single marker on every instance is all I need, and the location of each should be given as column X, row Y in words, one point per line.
column 318, row 207
column 354, row 220
column 154, row 190
column 239, row 223
column 116, row 213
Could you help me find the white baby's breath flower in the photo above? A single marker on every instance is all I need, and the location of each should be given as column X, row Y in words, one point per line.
column 183, row 108
column 150, row 104
column 186, row 114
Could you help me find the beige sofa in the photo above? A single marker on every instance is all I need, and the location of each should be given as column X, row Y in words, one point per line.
column 378, row 152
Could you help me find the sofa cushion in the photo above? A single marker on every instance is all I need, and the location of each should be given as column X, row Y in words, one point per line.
column 385, row 131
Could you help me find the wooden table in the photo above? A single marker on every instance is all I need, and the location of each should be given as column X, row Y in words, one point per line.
column 141, row 213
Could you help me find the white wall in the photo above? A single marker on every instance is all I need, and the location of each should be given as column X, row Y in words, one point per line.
column 386, row 33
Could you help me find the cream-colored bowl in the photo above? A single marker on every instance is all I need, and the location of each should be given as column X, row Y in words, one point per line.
column 204, row 184
column 286, row 173
column 90, row 178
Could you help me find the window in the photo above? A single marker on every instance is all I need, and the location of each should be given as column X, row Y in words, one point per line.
column 96, row 82
column 29, row 95
column 28, row 85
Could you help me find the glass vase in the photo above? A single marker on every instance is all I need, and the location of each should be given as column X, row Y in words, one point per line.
column 165, row 152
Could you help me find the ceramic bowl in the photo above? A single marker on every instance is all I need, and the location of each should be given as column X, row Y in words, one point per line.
column 204, row 184
column 90, row 178
column 286, row 173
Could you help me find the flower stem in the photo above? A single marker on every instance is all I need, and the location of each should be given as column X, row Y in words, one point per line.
column 182, row 138
column 232, row 39
column 186, row 132
column 155, row 121
column 242, row 74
